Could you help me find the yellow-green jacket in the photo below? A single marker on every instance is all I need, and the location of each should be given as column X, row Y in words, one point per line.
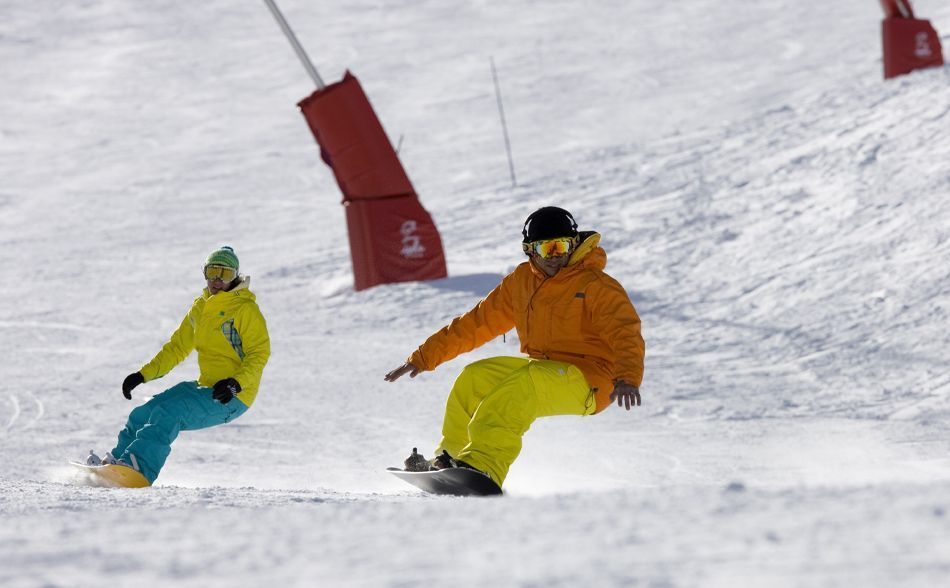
column 230, row 334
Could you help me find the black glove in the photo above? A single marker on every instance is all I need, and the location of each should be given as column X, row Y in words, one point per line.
column 224, row 390
column 130, row 382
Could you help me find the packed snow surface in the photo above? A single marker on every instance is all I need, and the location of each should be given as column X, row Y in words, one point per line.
column 779, row 215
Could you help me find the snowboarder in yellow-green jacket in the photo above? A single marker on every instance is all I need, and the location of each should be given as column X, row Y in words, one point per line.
column 226, row 327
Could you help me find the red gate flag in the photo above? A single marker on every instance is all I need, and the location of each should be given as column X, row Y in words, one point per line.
column 909, row 43
column 392, row 237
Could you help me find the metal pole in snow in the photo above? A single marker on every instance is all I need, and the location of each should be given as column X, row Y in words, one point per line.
column 301, row 54
column 504, row 126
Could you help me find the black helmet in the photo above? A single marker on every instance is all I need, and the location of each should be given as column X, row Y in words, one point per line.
column 547, row 223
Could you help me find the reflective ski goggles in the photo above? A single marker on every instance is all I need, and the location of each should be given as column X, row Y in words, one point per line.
column 220, row 271
column 547, row 248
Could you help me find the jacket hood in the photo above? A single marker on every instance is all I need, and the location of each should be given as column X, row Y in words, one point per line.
column 589, row 253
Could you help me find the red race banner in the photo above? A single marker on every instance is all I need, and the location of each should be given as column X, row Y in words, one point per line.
column 909, row 43
column 392, row 237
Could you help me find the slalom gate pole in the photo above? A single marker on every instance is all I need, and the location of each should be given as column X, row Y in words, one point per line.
column 298, row 49
column 504, row 125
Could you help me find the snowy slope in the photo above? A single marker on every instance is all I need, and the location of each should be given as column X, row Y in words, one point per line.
column 777, row 212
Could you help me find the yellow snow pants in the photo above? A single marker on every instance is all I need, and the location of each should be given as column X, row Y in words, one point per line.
column 495, row 400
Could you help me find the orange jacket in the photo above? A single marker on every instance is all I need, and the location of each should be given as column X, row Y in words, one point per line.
column 580, row 316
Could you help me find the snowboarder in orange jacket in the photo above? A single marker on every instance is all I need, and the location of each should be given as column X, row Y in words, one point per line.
column 578, row 328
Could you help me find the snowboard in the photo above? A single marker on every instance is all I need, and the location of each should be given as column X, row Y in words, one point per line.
column 112, row 476
column 450, row 481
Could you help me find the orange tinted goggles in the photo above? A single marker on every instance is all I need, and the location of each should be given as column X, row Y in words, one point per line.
column 550, row 247
column 220, row 271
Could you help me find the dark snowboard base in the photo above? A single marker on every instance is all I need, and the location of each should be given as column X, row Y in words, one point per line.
column 451, row 481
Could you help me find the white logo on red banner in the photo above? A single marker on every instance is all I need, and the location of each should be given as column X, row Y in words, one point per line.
column 411, row 242
column 923, row 46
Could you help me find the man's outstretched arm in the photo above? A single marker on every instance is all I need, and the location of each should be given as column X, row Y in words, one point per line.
column 491, row 317
column 406, row 368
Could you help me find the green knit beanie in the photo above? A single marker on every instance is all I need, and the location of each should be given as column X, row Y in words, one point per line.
column 224, row 256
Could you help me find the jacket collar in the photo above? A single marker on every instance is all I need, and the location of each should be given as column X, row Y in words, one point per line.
column 244, row 282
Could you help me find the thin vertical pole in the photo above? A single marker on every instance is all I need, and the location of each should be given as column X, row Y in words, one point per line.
column 504, row 125
column 301, row 54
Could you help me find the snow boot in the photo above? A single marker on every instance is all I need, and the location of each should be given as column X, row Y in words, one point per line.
column 416, row 462
column 443, row 461
column 94, row 460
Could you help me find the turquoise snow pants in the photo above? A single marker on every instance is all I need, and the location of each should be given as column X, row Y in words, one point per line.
column 153, row 427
